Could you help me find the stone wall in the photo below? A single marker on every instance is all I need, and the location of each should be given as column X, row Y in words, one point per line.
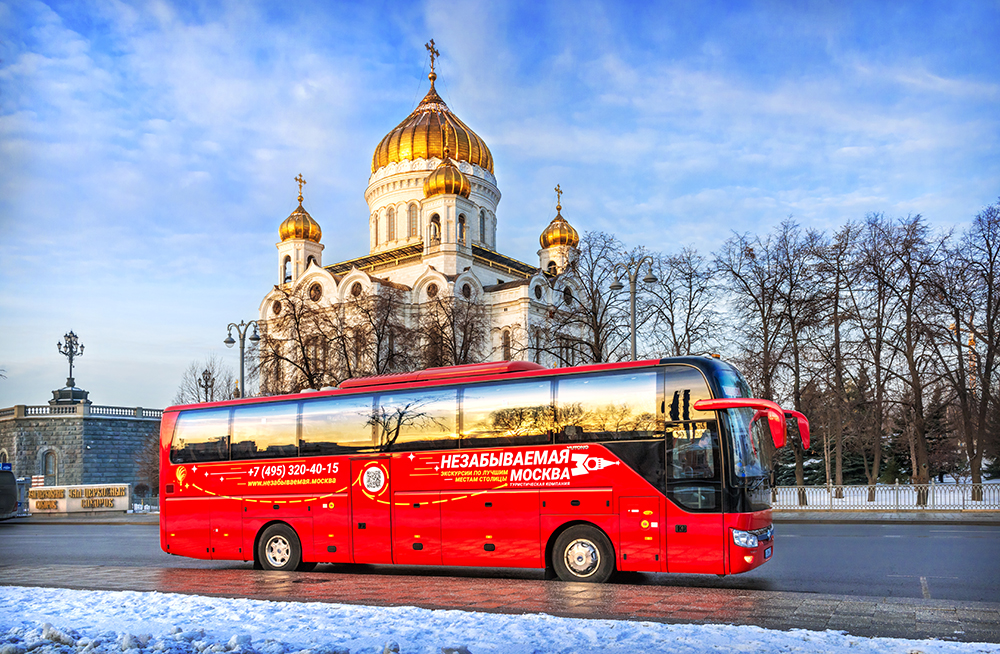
column 88, row 450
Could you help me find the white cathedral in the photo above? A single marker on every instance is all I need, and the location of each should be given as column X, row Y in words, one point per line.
column 433, row 198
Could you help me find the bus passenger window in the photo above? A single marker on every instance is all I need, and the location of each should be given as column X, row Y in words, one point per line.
column 415, row 420
column 201, row 436
column 336, row 426
column 685, row 386
column 692, row 452
column 264, row 431
column 498, row 415
column 606, row 407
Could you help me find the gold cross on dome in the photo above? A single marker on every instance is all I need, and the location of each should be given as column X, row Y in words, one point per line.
column 301, row 181
column 559, row 193
column 434, row 53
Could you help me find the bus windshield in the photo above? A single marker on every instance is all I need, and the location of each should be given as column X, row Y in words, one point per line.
column 747, row 430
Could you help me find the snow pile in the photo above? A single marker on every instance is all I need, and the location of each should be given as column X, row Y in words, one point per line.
column 97, row 622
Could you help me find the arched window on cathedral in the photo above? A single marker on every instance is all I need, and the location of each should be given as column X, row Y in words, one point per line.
column 482, row 227
column 390, row 217
column 310, row 261
column 50, row 468
column 3, row 457
column 286, row 270
column 505, row 338
column 435, row 228
column 552, row 269
column 413, row 231
column 375, row 232
column 461, row 228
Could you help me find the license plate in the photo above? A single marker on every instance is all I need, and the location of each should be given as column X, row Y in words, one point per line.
column 767, row 553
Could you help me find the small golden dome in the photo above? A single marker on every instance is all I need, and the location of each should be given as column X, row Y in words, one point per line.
column 300, row 225
column 559, row 231
column 423, row 134
column 447, row 179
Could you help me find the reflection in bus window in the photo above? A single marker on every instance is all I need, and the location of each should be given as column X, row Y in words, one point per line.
column 336, row 426
column 685, row 386
column 201, row 436
column 692, row 452
column 606, row 407
column 264, row 431
column 416, row 420
column 506, row 414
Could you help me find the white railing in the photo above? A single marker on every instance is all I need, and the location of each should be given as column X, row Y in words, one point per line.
column 45, row 410
column 895, row 497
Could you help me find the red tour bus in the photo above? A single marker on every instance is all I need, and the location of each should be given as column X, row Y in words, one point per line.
column 650, row 466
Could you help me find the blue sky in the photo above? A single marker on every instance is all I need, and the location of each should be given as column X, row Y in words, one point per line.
column 147, row 149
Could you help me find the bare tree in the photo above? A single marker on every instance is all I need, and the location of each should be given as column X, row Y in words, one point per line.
column 373, row 336
column 589, row 323
column 455, row 330
column 221, row 382
column 147, row 463
column 682, row 306
column 295, row 344
column 967, row 285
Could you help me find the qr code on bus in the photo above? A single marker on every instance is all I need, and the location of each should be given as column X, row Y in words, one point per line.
column 374, row 479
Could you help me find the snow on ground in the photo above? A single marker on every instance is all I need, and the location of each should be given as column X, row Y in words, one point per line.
column 56, row 621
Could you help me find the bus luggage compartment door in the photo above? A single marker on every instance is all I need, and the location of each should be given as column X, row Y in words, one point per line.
column 416, row 528
column 639, row 530
column 370, row 504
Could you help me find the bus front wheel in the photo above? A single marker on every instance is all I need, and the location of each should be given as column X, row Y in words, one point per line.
column 583, row 553
column 279, row 548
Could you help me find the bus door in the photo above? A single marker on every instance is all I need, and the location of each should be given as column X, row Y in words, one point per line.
column 371, row 532
column 695, row 533
column 639, row 530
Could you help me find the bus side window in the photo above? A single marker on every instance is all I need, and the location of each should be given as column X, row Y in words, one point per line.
column 692, row 452
column 606, row 407
column 338, row 425
column 201, row 436
column 499, row 415
column 685, row 385
column 415, row 420
column 264, row 431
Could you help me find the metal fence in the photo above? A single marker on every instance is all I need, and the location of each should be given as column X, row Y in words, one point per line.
column 145, row 504
column 895, row 497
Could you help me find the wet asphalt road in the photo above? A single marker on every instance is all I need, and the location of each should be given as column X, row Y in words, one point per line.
column 939, row 562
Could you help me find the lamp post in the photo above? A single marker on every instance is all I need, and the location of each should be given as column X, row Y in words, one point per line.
column 241, row 331
column 207, row 384
column 633, row 276
column 72, row 349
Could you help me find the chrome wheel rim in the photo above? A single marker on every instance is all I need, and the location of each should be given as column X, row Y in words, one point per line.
column 278, row 551
column 582, row 557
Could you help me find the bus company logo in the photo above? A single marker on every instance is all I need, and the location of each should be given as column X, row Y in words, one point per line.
column 585, row 463
column 373, row 479
column 181, row 474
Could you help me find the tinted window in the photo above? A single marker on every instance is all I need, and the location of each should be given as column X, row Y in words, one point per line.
column 337, row 426
column 693, row 463
column 416, row 420
column 264, row 431
column 201, row 436
column 606, row 407
column 747, row 427
column 506, row 414
column 685, row 386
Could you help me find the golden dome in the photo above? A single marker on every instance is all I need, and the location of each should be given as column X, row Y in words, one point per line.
column 447, row 179
column 424, row 133
column 559, row 231
column 300, row 225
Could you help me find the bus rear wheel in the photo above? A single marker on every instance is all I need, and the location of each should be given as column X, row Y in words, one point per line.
column 279, row 548
column 583, row 553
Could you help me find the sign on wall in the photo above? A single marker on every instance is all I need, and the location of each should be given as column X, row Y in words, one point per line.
column 78, row 499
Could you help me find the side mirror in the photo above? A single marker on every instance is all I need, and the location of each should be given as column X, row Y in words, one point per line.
column 775, row 414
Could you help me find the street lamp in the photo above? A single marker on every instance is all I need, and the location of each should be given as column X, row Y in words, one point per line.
column 207, row 384
column 633, row 276
column 72, row 349
column 241, row 331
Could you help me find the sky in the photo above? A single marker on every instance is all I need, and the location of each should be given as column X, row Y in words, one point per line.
column 170, row 623
column 148, row 149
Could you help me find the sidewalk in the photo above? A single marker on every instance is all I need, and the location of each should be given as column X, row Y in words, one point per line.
column 914, row 517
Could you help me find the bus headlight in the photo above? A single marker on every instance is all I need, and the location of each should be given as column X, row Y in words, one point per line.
column 744, row 538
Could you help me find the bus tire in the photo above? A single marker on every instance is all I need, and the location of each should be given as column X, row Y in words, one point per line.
column 583, row 553
column 279, row 548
